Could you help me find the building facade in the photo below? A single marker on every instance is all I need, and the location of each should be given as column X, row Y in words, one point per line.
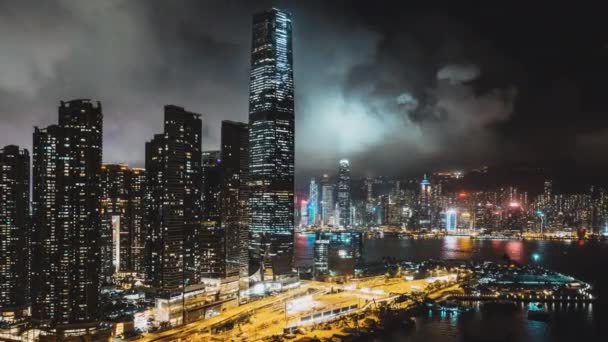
column 66, row 237
column 313, row 202
column 328, row 208
column 137, row 194
column 173, row 201
column 14, row 233
column 344, row 187
column 271, row 142
column 122, row 211
column 234, row 196
column 424, row 204
column 337, row 253
column 210, row 240
column 115, row 220
column 212, row 185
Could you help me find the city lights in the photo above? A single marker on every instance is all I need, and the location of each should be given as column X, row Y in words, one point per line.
column 437, row 169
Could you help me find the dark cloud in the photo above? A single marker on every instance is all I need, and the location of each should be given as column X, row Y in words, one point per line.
column 459, row 73
column 421, row 99
column 395, row 87
column 134, row 56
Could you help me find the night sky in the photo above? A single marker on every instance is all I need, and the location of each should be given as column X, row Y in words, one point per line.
column 395, row 86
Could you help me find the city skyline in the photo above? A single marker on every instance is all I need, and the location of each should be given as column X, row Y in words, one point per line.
column 391, row 161
column 206, row 71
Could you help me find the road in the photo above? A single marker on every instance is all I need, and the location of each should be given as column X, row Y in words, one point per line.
column 231, row 313
column 267, row 317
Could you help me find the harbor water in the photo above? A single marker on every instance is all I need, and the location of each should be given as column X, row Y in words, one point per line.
column 584, row 260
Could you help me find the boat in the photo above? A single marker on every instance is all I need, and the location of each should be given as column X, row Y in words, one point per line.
column 537, row 312
column 451, row 308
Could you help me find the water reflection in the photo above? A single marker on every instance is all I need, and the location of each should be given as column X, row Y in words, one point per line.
column 456, row 248
column 572, row 322
column 304, row 249
column 541, row 246
column 552, row 253
column 465, row 245
column 449, row 247
column 515, row 250
column 496, row 244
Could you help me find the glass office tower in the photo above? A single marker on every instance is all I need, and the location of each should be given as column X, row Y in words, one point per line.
column 271, row 142
column 234, row 213
column 344, row 193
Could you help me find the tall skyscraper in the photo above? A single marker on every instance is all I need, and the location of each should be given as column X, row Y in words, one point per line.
column 368, row 216
column 344, row 193
column 122, row 211
column 154, row 246
column 67, row 222
column 313, row 202
column 271, row 140
column 451, row 220
column 173, row 201
column 222, row 241
column 426, row 195
column 137, row 194
column 302, row 210
column 234, row 209
column 14, row 230
column 327, row 201
column 212, row 185
column 210, row 240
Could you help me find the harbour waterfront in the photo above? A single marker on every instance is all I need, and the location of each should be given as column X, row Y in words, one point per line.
column 584, row 260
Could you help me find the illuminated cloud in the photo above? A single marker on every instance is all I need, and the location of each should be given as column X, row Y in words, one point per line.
column 393, row 89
